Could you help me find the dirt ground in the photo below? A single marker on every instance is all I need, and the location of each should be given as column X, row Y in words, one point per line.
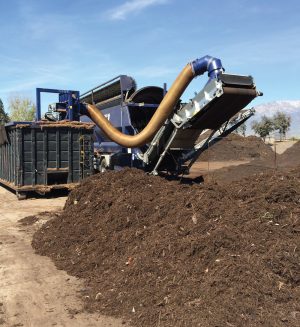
column 33, row 293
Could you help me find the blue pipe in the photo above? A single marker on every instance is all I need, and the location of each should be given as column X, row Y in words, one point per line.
column 38, row 114
column 213, row 66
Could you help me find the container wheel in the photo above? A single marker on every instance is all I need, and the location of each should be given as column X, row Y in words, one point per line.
column 21, row 195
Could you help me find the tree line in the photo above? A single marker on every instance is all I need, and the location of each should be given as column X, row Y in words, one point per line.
column 279, row 122
column 20, row 109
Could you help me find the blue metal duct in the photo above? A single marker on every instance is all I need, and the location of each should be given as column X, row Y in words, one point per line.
column 207, row 64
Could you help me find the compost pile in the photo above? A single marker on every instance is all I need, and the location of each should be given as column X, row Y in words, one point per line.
column 236, row 173
column 160, row 253
column 236, row 147
column 291, row 157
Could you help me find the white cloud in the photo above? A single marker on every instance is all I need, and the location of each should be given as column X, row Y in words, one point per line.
column 287, row 106
column 132, row 7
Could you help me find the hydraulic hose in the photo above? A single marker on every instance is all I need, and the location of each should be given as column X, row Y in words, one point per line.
column 212, row 65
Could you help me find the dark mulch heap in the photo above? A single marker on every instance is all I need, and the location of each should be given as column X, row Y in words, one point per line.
column 31, row 220
column 236, row 173
column 264, row 163
column 291, row 157
column 236, row 147
column 163, row 254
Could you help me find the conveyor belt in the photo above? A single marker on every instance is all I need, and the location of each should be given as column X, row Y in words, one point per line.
column 223, row 108
column 109, row 90
column 211, row 109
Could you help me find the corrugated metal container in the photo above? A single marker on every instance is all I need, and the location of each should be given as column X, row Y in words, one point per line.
column 42, row 156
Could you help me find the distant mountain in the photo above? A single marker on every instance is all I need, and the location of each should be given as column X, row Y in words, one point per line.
column 290, row 107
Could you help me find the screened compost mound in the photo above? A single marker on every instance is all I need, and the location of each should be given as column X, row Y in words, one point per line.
column 159, row 253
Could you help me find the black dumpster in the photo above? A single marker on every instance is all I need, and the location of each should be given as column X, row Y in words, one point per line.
column 44, row 156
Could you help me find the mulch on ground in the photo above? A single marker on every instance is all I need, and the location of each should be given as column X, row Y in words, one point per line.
column 264, row 163
column 159, row 253
column 291, row 157
column 237, row 147
column 31, row 220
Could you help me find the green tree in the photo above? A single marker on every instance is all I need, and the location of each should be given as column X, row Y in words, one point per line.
column 282, row 123
column 4, row 118
column 21, row 108
column 263, row 127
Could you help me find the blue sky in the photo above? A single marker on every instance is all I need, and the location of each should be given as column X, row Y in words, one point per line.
column 79, row 44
